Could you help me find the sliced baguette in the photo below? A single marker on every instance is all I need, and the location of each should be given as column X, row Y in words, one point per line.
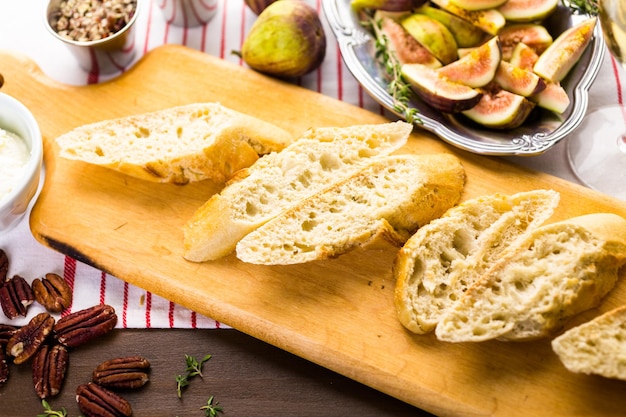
column 596, row 347
column 439, row 262
column 176, row 145
column 559, row 270
column 280, row 180
column 389, row 199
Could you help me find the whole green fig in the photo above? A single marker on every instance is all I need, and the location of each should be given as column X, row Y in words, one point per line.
column 287, row 40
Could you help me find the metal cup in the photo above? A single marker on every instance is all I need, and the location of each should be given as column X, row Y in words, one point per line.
column 187, row 13
column 103, row 56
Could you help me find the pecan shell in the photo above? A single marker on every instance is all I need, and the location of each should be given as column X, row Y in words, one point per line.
column 6, row 332
column 4, row 368
column 29, row 338
column 49, row 367
column 129, row 372
column 84, row 325
column 4, row 266
column 96, row 401
column 15, row 297
column 52, row 292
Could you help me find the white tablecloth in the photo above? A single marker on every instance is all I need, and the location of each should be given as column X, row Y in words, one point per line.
column 22, row 30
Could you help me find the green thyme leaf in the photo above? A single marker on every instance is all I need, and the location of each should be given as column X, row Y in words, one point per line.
column 589, row 7
column 193, row 368
column 398, row 88
column 210, row 409
column 49, row 412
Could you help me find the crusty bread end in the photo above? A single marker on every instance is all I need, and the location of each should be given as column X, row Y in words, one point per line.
column 176, row 145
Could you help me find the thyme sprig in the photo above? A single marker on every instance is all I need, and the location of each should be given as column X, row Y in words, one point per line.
column 589, row 7
column 398, row 88
column 49, row 412
column 210, row 409
column 194, row 368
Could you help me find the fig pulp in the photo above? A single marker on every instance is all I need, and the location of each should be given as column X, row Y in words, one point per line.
column 518, row 80
column 438, row 92
column 527, row 10
column 553, row 97
column 477, row 68
column 532, row 35
column 556, row 61
column 287, row 40
column 406, row 48
column 500, row 109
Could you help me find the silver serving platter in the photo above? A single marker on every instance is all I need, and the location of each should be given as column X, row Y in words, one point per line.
column 539, row 133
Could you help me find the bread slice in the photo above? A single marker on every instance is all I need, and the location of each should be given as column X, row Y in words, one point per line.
column 176, row 145
column 559, row 270
column 596, row 347
column 388, row 199
column 439, row 262
column 280, row 180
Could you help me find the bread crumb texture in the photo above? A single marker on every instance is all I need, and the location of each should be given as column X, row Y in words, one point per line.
column 178, row 144
column 281, row 180
column 389, row 199
column 444, row 258
column 557, row 271
column 596, row 347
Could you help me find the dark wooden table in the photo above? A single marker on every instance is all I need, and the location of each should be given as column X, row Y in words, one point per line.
column 247, row 377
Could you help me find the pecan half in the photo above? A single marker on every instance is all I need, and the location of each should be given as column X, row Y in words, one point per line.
column 15, row 296
column 122, row 373
column 4, row 266
column 29, row 338
column 96, row 401
column 4, row 368
column 52, row 292
column 49, row 367
column 6, row 332
column 84, row 325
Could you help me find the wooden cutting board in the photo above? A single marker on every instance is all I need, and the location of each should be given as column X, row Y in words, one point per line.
column 338, row 313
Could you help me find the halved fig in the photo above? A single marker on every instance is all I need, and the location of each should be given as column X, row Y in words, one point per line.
column 553, row 98
column 533, row 35
column 465, row 34
column 489, row 20
column 405, row 47
column 500, row 109
column 433, row 36
column 556, row 61
column 389, row 5
column 527, row 10
column 438, row 92
column 518, row 80
column 477, row 68
column 523, row 56
column 478, row 4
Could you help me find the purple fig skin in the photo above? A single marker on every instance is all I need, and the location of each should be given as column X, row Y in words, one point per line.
column 286, row 41
column 388, row 5
column 257, row 6
column 441, row 94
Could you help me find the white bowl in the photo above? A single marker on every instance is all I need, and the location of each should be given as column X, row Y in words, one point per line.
column 16, row 118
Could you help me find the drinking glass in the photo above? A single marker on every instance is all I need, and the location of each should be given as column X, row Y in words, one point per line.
column 597, row 152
